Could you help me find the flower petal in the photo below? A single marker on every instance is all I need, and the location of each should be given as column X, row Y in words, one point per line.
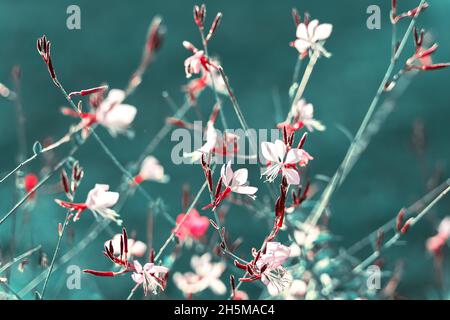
column 291, row 175
column 269, row 151
column 322, row 32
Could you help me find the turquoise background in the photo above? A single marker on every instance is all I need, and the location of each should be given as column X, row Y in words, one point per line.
column 252, row 43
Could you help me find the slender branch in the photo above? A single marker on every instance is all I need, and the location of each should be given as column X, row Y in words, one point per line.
column 339, row 176
column 19, row 258
column 55, row 254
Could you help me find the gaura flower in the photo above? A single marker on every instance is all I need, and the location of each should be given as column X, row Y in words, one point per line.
column 150, row 276
column 310, row 36
column 99, row 201
column 136, row 248
column 284, row 161
column 304, row 112
column 194, row 226
column 197, row 62
column 151, row 170
column 210, row 78
column 215, row 143
column 267, row 267
column 206, row 275
column 113, row 114
column 237, row 181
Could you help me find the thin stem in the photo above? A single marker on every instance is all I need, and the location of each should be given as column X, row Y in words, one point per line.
column 341, row 173
column 40, row 184
column 19, row 258
column 213, row 82
column 391, row 223
column 305, row 79
column 177, row 228
column 55, row 254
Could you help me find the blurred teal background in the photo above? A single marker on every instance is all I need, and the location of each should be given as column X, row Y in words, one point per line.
column 252, row 43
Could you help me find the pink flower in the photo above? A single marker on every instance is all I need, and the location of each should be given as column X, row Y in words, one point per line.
column 284, row 161
column 113, row 114
column 151, row 170
column 194, row 226
column 206, row 275
column 135, row 248
column 151, row 277
column 310, row 36
column 99, row 201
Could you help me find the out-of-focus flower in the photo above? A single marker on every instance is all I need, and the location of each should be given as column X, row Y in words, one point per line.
column 206, row 275
column 310, row 36
column 304, row 112
column 113, row 114
column 436, row 243
column 296, row 290
column 194, row 226
column 283, row 159
column 150, row 276
column 304, row 238
column 110, row 112
column 151, row 170
column 136, row 248
column 99, row 201
column 29, row 182
column 198, row 62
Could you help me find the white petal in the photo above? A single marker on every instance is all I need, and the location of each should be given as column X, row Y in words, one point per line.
column 227, row 173
column 218, row 287
column 294, row 155
column 291, row 175
column 302, row 45
column 311, row 28
column 115, row 96
column 240, row 177
column 245, row 190
column 269, row 151
column 302, row 32
column 281, row 150
column 322, row 32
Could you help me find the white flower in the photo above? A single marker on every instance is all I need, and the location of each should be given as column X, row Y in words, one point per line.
column 151, row 169
column 100, row 200
column 135, row 248
column 281, row 160
column 206, row 275
column 211, row 141
column 114, row 115
column 296, row 290
column 274, row 276
column 444, row 228
column 151, row 277
column 311, row 35
column 237, row 181
column 304, row 112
